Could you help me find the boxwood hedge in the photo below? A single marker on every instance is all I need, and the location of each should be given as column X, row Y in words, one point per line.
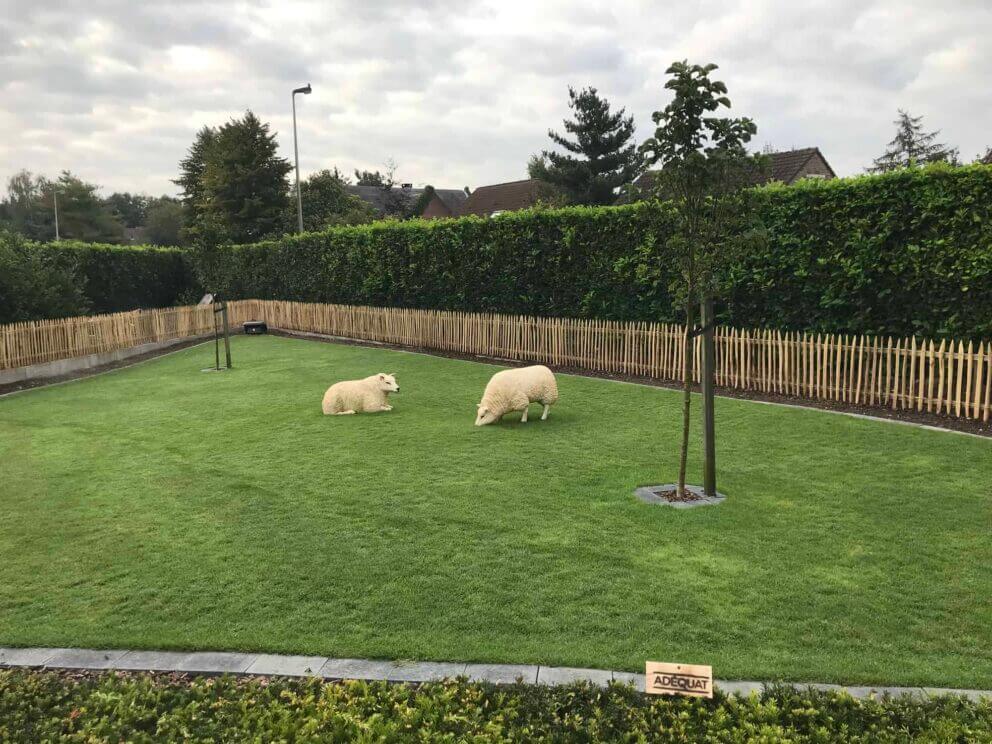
column 903, row 253
column 49, row 706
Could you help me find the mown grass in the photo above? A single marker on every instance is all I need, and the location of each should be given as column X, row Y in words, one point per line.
column 160, row 507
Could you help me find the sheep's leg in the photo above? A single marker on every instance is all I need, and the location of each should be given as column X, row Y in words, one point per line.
column 547, row 410
column 343, row 413
column 385, row 407
column 523, row 419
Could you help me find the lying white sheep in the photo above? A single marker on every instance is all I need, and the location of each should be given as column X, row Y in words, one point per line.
column 357, row 396
column 514, row 390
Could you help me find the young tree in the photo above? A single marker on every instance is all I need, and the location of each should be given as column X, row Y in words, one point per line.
column 704, row 174
column 985, row 159
column 912, row 146
column 602, row 138
column 235, row 183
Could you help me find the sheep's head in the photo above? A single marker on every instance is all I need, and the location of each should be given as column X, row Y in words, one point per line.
column 484, row 415
column 388, row 383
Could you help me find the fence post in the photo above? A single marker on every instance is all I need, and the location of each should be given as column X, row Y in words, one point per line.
column 706, row 377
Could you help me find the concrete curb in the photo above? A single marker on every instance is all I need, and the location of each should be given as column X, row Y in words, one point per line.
column 216, row 662
column 67, row 366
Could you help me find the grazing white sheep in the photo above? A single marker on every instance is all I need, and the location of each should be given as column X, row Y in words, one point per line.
column 357, row 396
column 514, row 390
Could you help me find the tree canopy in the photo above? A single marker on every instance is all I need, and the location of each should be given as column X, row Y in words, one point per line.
column 602, row 139
column 327, row 203
column 234, row 183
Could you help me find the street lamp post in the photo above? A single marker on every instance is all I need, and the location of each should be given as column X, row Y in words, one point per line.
column 55, row 198
column 305, row 90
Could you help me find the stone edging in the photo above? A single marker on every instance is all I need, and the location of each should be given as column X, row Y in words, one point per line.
column 217, row 662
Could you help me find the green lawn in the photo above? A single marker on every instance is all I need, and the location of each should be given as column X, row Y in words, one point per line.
column 160, row 507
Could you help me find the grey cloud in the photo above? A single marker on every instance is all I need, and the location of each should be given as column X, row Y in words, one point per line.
column 464, row 94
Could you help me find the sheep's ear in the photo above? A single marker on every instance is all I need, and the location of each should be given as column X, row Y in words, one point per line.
column 382, row 376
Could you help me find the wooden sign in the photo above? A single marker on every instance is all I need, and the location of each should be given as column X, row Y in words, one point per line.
column 678, row 679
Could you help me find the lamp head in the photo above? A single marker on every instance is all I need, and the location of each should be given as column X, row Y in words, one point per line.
column 306, row 90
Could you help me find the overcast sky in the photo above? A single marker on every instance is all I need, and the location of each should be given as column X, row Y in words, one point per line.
column 461, row 94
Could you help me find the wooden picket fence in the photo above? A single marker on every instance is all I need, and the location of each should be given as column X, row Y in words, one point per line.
column 947, row 377
column 41, row 341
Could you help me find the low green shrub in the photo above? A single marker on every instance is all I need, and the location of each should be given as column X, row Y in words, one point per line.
column 48, row 706
column 903, row 253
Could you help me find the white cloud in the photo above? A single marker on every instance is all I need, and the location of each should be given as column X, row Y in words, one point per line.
column 462, row 95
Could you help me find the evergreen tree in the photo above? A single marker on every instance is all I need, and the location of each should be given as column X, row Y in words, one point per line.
column 912, row 146
column 83, row 215
column 129, row 208
column 190, row 181
column 603, row 140
column 234, row 182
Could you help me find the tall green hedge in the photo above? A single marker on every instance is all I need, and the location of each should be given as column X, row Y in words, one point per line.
column 53, row 280
column 903, row 253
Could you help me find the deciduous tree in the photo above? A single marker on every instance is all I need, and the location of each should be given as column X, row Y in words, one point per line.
column 704, row 174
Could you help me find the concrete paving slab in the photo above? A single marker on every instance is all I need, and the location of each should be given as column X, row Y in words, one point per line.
column 629, row 678
column 737, row 687
column 355, row 669
column 567, row 675
column 151, row 661
column 25, row 657
column 83, row 658
column 423, row 671
column 216, row 662
column 287, row 666
column 501, row 673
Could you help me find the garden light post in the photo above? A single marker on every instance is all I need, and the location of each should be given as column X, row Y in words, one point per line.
column 305, row 90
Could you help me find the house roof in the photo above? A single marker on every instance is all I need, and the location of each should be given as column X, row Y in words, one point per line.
column 782, row 166
column 453, row 199
column 386, row 200
column 785, row 166
column 404, row 197
column 503, row 197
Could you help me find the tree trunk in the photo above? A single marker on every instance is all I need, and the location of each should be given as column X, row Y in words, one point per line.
column 686, row 393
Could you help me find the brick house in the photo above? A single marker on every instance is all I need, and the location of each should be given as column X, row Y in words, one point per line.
column 487, row 201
